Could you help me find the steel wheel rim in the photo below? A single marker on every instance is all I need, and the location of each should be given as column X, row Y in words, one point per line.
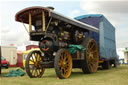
column 65, row 64
column 34, row 67
column 92, row 56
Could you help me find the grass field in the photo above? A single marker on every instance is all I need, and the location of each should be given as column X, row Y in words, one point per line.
column 114, row 76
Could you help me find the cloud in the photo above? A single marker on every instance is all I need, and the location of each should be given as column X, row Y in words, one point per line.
column 74, row 13
column 9, row 36
column 105, row 6
column 115, row 11
column 0, row 31
column 39, row 0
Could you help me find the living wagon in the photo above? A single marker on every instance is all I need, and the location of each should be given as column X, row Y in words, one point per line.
column 64, row 43
column 105, row 38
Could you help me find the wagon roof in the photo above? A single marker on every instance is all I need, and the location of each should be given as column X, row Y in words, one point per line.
column 22, row 16
column 100, row 16
column 89, row 15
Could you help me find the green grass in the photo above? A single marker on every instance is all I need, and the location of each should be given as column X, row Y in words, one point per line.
column 114, row 76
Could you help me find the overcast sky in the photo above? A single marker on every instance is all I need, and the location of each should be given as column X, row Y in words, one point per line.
column 116, row 11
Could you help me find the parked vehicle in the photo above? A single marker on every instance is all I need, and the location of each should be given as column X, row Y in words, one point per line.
column 4, row 62
column 10, row 53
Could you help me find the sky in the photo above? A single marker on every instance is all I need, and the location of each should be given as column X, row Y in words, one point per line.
column 12, row 32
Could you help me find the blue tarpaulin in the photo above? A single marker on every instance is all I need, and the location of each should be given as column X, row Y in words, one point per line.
column 15, row 73
column 87, row 16
column 105, row 38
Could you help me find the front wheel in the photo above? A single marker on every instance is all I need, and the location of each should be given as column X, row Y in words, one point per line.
column 63, row 64
column 32, row 65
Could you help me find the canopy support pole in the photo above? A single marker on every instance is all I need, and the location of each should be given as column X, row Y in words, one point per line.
column 30, row 23
column 25, row 28
column 48, row 24
column 43, row 21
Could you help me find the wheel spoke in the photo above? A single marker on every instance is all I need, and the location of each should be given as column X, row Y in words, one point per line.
column 90, row 66
column 64, row 71
column 60, row 69
column 35, row 72
column 33, row 57
column 38, row 72
column 31, row 60
column 93, row 45
column 61, row 57
column 95, row 51
column 39, row 58
column 32, row 71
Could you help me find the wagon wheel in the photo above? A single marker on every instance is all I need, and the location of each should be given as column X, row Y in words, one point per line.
column 32, row 65
column 115, row 62
column 90, row 63
column 106, row 64
column 63, row 64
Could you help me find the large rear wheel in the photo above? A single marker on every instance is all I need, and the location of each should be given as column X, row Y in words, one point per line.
column 63, row 64
column 90, row 63
column 32, row 65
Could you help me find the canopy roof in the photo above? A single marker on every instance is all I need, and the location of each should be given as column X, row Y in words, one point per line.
column 23, row 15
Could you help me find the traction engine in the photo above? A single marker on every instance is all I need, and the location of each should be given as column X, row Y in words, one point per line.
column 64, row 43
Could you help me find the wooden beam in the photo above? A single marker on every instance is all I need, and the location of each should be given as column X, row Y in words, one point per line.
column 30, row 23
column 43, row 21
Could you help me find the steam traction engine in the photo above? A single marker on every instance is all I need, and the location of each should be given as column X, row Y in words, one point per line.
column 64, row 43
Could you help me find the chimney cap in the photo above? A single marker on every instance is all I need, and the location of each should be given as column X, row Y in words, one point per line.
column 50, row 7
